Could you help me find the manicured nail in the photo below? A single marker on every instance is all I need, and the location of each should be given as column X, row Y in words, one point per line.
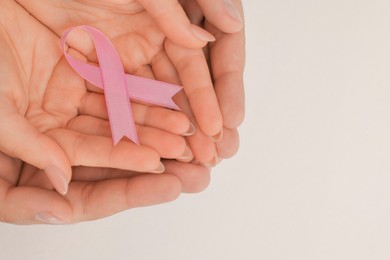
column 57, row 177
column 191, row 130
column 217, row 138
column 232, row 11
column 187, row 155
column 202, row 34
column 213, row 162
column 48, row 218
column 160, row 169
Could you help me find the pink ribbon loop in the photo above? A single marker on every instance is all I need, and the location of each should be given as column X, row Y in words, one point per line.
column 118, row 86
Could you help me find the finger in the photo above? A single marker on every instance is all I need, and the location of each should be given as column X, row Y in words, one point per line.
column 226, row 15
column 97, row 151
column 9, row 166
column 85, row 200
column 195, row 77
column 171, row 18
column 32, row 205
column 202, row 146
column 80, row 173
column 93, row 174
column 31, row 176
column 193, row 12
column 194, row 178
column 227, row 57
column 229, row 144
column 167, row 145
column 165, row 119
column 19, row 139
column 96, row 200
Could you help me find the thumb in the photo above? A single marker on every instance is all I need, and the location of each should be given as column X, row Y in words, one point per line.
column 173, row 21
column 19, row 139
column 31, row 205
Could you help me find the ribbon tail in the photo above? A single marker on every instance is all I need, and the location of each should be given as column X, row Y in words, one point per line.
column 152, row 91
column 120, row 131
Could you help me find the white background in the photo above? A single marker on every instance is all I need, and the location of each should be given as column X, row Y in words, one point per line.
column 312, row 178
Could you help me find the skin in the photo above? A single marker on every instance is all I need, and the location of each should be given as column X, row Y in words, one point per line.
column 226, row 57
column 91, row 193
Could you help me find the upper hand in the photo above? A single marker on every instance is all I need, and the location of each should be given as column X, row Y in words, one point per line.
column 47, row 114
column 52, row 119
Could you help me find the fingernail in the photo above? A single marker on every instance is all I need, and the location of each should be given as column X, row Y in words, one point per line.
column 48, row 218
column 57, row 177
column 217, row 138
column 187, row 155
column 212, row 163
column 190, row 131
column 232, row 11
column 160, row 169
column 202, row 34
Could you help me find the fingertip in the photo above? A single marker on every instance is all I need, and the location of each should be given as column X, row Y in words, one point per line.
column 234, row 120
column 236, row 20
column 173, row 21
column 207, row 113
column 214, row 132
column 171, row 189
column 217, row 138
column 160, row 169
column 191, row 37
column 187, row 155
column 230, row 91
column 202, row 147
column 194, row 178
column 229, row 145
column 201, row 34
column 160, row 189
column 223, row 14
column 212, row 163
column 58, row 178
column 191, row 130
column 150, row 160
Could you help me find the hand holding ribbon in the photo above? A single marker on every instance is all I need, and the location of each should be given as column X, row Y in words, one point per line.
column 118, row 86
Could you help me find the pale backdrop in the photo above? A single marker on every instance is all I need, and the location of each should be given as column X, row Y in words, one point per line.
column 312, row 178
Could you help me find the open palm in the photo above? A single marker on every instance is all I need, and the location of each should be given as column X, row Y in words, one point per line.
column 145, row 51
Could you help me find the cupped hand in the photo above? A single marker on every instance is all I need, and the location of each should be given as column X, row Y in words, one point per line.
column 45, row 110
column 26, row 195
column 48, row 114
column 145, row 51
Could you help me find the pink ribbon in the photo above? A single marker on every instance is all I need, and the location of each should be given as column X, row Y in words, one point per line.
column 118, row 86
